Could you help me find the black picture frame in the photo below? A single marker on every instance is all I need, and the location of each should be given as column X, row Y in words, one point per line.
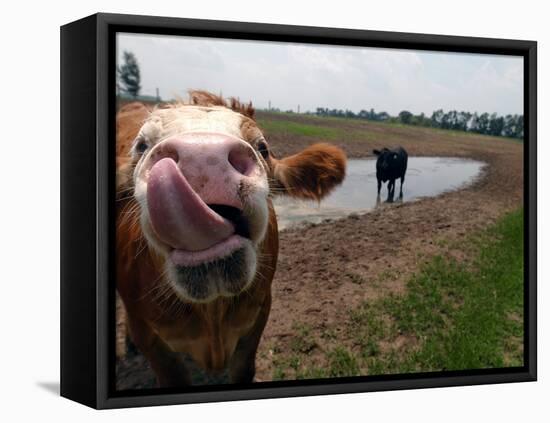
column 87, row 197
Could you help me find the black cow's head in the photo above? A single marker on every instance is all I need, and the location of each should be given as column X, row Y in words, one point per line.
column 385, row 158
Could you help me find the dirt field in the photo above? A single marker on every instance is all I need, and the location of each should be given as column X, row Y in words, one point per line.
column 316, row 283
column 327, row 270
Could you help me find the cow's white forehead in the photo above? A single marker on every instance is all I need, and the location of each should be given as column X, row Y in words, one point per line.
column 164, row 123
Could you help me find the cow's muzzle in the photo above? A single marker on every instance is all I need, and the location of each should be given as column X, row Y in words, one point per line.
column 195, row 196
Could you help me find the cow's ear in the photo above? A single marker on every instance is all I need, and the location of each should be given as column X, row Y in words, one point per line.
column 311, row 174
column 376, row 152
column 129, row 120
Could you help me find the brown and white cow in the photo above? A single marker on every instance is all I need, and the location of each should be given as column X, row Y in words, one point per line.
column 197, row 239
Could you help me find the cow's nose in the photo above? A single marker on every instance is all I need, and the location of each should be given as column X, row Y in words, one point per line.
column 210, row 162
column 242, row 158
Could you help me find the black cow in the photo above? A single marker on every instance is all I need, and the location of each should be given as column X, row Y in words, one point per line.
column 390, row 165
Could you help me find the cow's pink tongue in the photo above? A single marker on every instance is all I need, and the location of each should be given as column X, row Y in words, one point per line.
column 178, row 215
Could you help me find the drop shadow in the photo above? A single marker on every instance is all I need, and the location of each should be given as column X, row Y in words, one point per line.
column 51, row 387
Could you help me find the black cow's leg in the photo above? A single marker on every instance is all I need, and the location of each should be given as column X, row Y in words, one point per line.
column 379, row 186
column 391, row 188
column 401, row 187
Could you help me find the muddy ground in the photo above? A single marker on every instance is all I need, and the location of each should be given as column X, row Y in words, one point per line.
column 326, row 270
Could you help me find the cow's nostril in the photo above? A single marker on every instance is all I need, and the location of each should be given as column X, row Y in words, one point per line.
column 171, row 153
column 242, row 160
column 164, row 152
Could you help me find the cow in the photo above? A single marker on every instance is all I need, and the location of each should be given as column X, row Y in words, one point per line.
column 196, row 231
column 390, row 165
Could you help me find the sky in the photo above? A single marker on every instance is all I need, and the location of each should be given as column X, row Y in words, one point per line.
column 310, row 75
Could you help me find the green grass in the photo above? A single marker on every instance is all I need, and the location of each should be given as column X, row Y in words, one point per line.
column 476, row 317
column 322, row 127
column 302, row 342
column 302, row 129
column 342, row 363
column 453, row 316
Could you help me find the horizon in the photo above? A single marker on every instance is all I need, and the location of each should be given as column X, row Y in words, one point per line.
column 354, row 78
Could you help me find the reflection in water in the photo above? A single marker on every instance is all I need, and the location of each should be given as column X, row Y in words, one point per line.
column 426, row 177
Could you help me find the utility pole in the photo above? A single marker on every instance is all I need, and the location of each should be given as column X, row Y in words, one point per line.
column 269, row 105
column 158, row 96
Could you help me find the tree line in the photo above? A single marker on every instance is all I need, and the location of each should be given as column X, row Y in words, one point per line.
column 480, row 123
column 129, row 82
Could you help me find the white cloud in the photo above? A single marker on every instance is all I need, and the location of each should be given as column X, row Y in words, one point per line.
column 328, row 76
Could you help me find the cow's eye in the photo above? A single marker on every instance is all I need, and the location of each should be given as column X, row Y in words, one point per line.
column 141, row 146
column 262, row 148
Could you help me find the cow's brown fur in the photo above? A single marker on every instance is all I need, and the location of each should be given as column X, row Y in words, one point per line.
column 129, row 120
column 313, row 173
column 205, row 98
column 223, row 333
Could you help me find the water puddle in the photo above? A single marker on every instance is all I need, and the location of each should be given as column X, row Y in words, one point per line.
column 426, row 177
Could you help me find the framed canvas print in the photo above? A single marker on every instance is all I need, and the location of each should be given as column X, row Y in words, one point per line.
column 256, row 211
